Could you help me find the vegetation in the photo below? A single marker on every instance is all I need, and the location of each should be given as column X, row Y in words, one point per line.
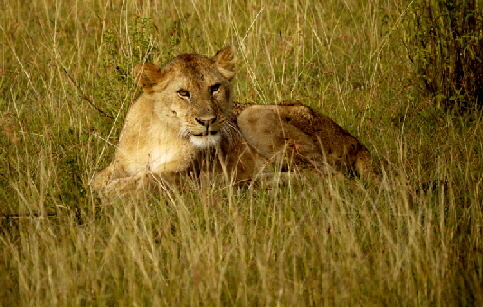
column 445, row 44
column 66, row 84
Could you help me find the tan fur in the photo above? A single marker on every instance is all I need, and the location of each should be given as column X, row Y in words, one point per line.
column 311, row 138
column 185, row 117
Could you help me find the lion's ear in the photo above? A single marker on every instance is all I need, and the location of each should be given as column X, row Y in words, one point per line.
column 225, row 61
column 147, row 75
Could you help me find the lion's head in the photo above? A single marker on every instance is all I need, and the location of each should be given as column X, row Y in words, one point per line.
column 192, row 93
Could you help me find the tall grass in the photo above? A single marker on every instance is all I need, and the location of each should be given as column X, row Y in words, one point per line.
column 65, row 87
column 445, row 46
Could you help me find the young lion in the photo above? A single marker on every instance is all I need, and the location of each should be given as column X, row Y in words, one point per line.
column 185, row 117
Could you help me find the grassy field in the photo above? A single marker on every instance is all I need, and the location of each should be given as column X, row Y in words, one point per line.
column 66, row 85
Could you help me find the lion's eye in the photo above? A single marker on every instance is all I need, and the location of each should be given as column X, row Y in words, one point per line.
column 184, row 94
column 215, row 88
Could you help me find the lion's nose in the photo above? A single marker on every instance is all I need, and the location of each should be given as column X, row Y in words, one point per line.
column 206, row 122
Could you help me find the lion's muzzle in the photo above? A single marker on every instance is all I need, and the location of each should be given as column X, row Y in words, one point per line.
column 208, row 125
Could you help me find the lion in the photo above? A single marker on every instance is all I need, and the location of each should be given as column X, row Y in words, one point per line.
column 185, row 122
